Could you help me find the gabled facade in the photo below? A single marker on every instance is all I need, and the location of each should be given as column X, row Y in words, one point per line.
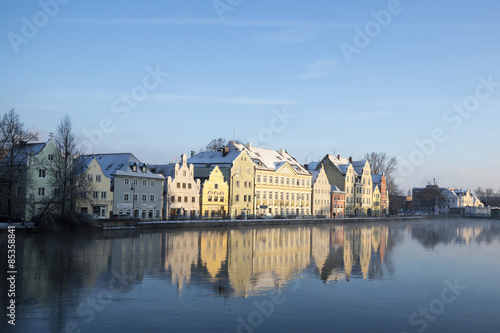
column 137, row 191
column 182, row 190
column 321, row 193
column 341, row 173
column 214, row 195
column 282, row 185
column 241, row 172
column 363, row 188
column 99, row 201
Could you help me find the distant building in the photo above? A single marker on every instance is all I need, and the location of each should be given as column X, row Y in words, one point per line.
column 380, row 182
column 441, row 200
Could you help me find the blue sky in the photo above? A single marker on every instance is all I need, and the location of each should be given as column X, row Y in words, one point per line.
column 274, row 72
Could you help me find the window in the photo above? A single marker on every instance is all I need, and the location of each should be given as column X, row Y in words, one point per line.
column 178, row 185
column 222, row 199
column 41, row 191
column 216, row 186
column 172, row 198
column 144, row 197
column 41, row 173
column 287, row 181
column 127, row 181
column 282, row 180
column 135, row 196
column 135, row 182
column 144, row 182
column 189, row 185
column 152, row 198
column 104, row 195
column 216, row 198
column 209, row 198
column 193, row 199
column 184, row 173
column 185, row 199
column 237, row 183
column 258, row 179
column 50, row 157
column 237, row 197
column 98, row 178
column 125, row 197
column 95, row 195
column 153, row 183
column 179, row 199
column 183, row 185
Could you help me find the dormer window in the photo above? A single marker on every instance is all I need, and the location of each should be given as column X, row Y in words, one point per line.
column 134, row 167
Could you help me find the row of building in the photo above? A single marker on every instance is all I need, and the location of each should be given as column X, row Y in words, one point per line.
column 234, row 181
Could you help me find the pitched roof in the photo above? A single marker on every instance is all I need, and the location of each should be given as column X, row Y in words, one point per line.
column 21, row 151
column 377, row 179
column 167, row 170
column 211, row 158
column 120, row 164
column 268, row 158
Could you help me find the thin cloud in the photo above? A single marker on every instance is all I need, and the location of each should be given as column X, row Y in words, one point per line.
column 318, row 69
column 195, row 99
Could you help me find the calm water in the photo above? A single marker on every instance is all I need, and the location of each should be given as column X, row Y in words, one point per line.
column 426, row 276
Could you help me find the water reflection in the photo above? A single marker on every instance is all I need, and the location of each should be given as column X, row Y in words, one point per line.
column 59, row 272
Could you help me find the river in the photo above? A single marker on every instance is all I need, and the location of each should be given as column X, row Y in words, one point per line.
column 405, row 276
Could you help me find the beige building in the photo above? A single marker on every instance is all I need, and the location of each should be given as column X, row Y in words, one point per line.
column 99, row 200
column 182, row 190
column 214, row 194
column 282, row 185
column 363, row 188
column 321, row 193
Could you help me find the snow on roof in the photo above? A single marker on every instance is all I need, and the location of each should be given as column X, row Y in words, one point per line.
column 359, row 166
column 164, row 169
column 337, row 160
column 268, row 158
column 312, row 166
column 377, row 179
column 209, row 158
column 120, row 164
column 21, row 151
column 203, row 173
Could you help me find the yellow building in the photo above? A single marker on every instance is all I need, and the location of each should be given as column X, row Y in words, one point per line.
column 240, row 171
column 99, row 199
column 282, row 185
column 214, row 194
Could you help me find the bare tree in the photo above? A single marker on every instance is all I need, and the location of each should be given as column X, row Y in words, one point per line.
column 479, row 192
column 381, row 163
column 215, row 144
column 14, row 164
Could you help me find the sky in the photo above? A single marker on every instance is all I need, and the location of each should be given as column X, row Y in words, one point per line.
column 416, row 79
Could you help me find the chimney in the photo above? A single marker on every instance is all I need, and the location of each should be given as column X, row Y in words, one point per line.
column 350, row 159
column 225, row 151
column 338, row 157
column 192, row 153
column 22, row 143
column 282, row 152
column 249, row 146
